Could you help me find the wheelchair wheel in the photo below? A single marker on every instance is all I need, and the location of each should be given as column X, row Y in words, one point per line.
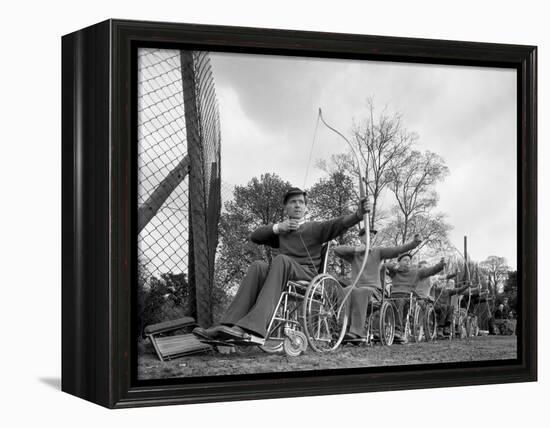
column 275, row 336
column 274, row 342
column 462, row 332
column 369, row 329
column 295, row 343
column 472, row 328
column 286, row 317
column 458, row 326
column 417, row 327
column 323, row 326
column 454, row 322
column 387, row 324
column 430, row 323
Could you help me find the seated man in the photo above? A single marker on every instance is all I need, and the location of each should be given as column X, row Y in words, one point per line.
column 443, row 307
column 424, row 288
column 299, row 243
column 404, row 278
column 369, row 285
column 500, row 318
column 500, row 313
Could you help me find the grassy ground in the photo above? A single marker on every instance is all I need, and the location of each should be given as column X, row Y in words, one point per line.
column 349, row 356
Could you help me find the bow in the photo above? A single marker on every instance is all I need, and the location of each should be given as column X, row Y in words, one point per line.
column 467, row 268
column 362, row 195
column 467, row 275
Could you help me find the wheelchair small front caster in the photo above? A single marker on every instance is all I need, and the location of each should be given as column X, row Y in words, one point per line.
column 295, row 343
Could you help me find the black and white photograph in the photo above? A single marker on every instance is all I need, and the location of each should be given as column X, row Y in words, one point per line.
column 317, row 214
column 301, row 214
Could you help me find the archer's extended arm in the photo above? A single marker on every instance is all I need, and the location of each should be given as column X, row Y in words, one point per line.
column 345, row 252
column 459, row 290
column 391, row 252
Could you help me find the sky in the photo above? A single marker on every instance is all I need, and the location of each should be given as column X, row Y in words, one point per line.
column 269, row 108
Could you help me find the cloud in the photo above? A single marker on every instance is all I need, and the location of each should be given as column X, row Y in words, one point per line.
column 467, row 115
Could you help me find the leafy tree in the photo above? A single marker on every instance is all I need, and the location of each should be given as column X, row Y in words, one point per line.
column 511, row 284
column 235, row 254
column 161, row 299
column 260, row 200
column 510, row 290
column 333, row 196
column 496, row 268
column 178, row 290
column 257, row 203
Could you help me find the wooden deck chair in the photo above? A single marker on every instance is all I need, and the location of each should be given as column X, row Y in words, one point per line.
column 167, row 346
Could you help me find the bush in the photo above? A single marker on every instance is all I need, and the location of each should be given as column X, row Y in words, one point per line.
column 161, row 299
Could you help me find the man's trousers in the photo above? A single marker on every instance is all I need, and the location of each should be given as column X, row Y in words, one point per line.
column 444, row 314
column 259, row 293
column 401, row 303
column 358, row 303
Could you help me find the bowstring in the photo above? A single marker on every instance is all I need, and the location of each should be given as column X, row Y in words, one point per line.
column 311, row 149
column 305, row 181
column 467, row 269
column 308, row 254
column 362, row 193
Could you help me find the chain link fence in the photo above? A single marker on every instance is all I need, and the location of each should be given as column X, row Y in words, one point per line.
column 178, row 173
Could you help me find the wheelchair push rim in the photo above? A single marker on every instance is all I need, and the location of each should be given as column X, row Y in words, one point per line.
column 430, row 323
column 387, row 324
column 417, row 324
column 323, row 326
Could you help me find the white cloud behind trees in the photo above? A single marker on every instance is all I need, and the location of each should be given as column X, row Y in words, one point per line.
column 467, row 115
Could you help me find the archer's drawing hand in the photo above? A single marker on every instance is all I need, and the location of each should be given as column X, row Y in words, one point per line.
column 288, row 226
column 417, row 238
column 365, row 206
column 442, row 261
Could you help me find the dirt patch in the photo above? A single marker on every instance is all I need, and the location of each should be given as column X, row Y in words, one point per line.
column 349, row 356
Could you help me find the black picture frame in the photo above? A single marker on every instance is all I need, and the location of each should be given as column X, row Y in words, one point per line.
column 98, row 212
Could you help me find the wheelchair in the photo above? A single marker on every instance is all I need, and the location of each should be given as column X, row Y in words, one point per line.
column 381, row 322
column 422, row 320
column 464, row 322
column 308, row 314
column 419, row 321
column 458, row 323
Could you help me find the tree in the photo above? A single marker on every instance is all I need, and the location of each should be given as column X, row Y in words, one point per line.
column 511, row 283
column 260, row 201
column 433, row 228
column 235, row 254
column 496, row 269
column 178, row 290
column 257, row 203
column 333, row 196
column 413, row 185
column 161, row 299
column 510, row 289
column 382, row 144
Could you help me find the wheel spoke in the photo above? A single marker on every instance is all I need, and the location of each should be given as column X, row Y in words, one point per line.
column 323, row 329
